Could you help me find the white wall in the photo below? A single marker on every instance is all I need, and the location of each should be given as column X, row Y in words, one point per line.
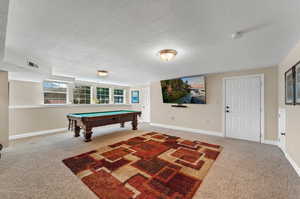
column 27, row 114
column 25, row 93
column 292, row 112
column 4, row 108
column 3, row 24
column 28, row 120
column 208, row 117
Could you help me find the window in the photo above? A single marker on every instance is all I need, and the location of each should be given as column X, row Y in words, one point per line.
column 82, row 95
column 135, row 97
column 118, row 96
column 55, row 92
column 102, row 96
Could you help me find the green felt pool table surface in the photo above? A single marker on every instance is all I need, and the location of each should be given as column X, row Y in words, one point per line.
column 99, row 114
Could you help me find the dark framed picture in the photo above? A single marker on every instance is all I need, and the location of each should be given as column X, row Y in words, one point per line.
column 290, row 87
column 135, row 96
column 297, row 83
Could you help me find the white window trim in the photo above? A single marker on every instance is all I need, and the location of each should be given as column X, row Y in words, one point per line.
column 109, row 94
column 93, row 89
column 91, row 93
column 130, row 96
column 67, row 92
column 124, row 95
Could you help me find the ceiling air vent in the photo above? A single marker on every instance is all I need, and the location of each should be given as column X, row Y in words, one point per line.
column 33, row 65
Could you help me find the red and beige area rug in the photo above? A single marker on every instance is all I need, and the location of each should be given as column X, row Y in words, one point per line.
column 150, row 166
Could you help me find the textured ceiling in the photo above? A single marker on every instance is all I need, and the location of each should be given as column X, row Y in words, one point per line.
column 76, row 38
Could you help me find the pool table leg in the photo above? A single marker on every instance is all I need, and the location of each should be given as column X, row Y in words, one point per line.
column 122, row 124
column 88, row 134
column 76, row 130
column 134, row 124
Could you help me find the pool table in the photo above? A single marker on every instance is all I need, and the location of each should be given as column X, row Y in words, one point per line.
column 87, row 121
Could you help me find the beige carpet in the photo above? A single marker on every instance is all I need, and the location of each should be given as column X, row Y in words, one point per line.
column 32, row 168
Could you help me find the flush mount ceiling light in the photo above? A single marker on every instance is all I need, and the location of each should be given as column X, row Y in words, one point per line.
column 167, row 54
column 102, row 73
column 237, row 35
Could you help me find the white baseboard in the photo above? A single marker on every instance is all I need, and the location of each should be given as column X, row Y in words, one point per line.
column 293, row 163
column 31, row 134
column 270, row 142
column 213, row 133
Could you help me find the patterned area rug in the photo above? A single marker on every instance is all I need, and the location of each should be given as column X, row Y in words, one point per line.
column 151, row 166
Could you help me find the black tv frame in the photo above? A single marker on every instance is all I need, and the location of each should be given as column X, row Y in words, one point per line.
column 183, row 105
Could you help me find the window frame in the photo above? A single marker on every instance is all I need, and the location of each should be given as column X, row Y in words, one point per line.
column 98, row 99
column 117, row 95
column 66, row 92
column 138, row 97
column 82, row 85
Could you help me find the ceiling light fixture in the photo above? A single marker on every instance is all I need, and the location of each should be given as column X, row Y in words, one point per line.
column 237, row 35
column 102, row 73
column 167, row 54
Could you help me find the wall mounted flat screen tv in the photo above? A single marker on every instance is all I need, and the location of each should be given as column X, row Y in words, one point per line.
column 185, row 90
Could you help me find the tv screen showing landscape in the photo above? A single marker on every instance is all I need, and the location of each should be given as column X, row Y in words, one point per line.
column 185, row 90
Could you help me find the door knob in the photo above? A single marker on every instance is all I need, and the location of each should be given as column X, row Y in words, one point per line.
column 227, row 107
column 283, row 134
column 227, row 111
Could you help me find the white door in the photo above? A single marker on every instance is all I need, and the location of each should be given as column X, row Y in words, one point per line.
column 282, row 128
column 146, row 104
column 243, row 108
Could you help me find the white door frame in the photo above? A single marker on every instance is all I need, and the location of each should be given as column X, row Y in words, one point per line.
column 282, row 111
column 143, row 97
column 262, row 111
column 146, row 94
